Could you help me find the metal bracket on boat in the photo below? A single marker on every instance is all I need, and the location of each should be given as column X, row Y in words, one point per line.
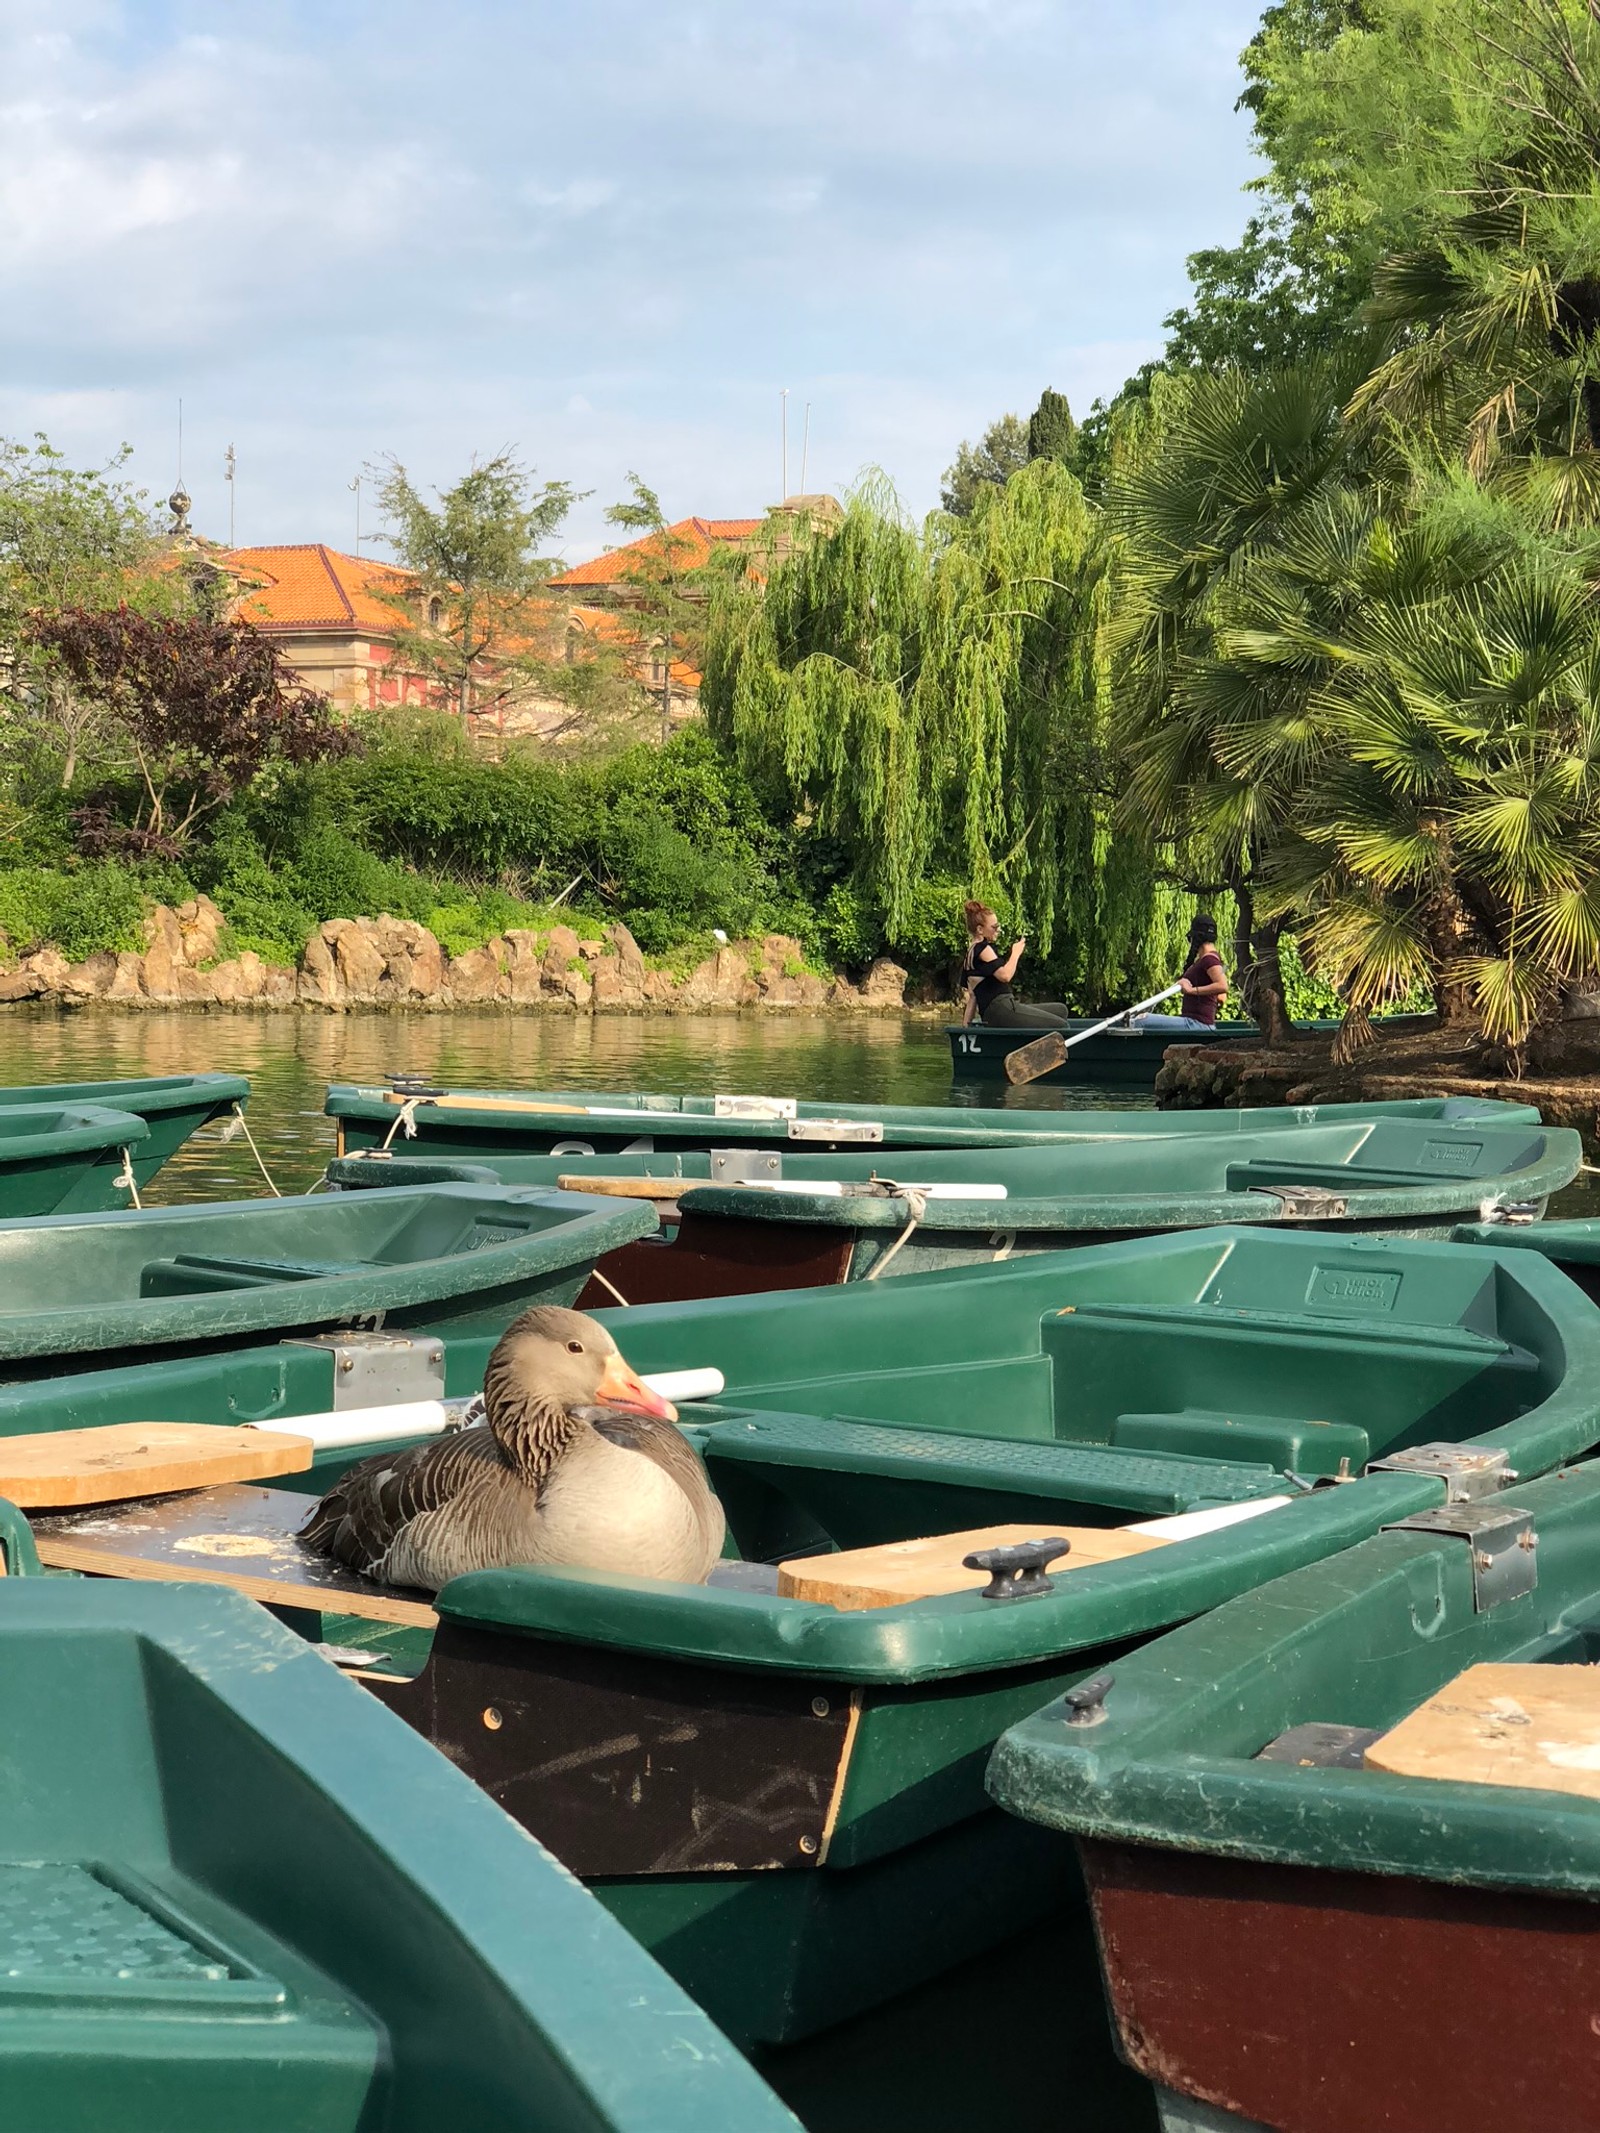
column 835, row 1129
column 1306, row 1203
column 745, row 1166
column 1518, row 1213
column 414, row 1085
column 754, row 1107
column 1466, row 1474
column 1017, row 1570
column 1505, row 1560
column 381, row 1369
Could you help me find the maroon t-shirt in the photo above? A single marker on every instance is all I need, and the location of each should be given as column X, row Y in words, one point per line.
column 1202, row 971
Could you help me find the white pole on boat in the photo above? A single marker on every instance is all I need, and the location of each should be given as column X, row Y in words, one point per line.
column 1141, row 1008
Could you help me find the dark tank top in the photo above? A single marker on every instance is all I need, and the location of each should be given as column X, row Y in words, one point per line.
column 983, row 959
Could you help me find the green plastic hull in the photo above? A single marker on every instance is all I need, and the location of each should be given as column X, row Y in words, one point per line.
column 1299, row 1864
column 453, row 1258
column 918, row 1211
column 592, row 1122
column 57, row 1157
column 422, row 1965
column 787, row 1803
column 1117, row 1058
column 173, row 1106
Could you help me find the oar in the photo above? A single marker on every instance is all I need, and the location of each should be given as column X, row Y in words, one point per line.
column 1045, row 1053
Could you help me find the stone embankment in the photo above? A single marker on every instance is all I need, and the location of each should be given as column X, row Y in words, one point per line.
column 396, row 963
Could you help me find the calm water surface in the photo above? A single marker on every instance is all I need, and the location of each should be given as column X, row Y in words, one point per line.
column 291, row 1058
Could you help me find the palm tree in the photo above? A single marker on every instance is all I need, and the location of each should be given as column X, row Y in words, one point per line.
column 1224, row 469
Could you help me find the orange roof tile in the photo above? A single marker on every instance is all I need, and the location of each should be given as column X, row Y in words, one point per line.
column 305, row 585
column 693, row 539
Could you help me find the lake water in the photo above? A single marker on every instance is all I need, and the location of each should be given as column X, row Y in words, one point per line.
column 291, row 1058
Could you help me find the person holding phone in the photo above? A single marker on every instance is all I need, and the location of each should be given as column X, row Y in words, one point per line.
column 988, row 975
column 1204, row 983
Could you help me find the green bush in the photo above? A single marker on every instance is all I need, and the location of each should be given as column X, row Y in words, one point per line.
column 83, row 911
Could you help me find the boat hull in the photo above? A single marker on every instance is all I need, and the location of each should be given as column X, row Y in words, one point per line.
column 170, row 1281
column 173, row 1106
column 1116, row 1059
column 1286, row 1997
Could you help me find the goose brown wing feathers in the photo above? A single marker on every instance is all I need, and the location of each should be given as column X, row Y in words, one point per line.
column 360, row 1518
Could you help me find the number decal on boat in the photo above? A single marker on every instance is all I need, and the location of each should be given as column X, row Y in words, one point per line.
column 968, row 1044
column 572, row 1148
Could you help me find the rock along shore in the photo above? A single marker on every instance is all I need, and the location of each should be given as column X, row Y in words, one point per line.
column 397, row 964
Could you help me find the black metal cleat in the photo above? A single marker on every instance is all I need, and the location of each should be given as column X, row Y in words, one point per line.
column 1017, row 1571
column 1086, row 1704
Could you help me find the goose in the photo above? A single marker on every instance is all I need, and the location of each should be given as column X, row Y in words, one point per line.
column 578, row 1465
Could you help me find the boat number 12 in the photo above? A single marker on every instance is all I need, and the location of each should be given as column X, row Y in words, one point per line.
column 968, row 1044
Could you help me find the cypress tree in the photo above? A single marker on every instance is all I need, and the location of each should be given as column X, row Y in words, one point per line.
column 1052, row 433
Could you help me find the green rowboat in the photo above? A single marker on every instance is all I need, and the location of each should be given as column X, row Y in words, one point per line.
column 783, row 1801
column 470, row 1125
column 173, row 1106
column 451, row 1258
column 1299, row 1939
column 234, row 1892
column 807, row 1220
column 79, row 1156
column 1122, row 1057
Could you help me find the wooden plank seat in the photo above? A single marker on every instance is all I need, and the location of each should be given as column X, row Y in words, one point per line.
column 239, row 1536
column 1119, row 1478
column 1513, row 1724
column 893, row 1572
column 196, row 1273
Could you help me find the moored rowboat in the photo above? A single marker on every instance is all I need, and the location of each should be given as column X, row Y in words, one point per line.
column 55, row 1156
column 747, row 1221
column 452, row 1257
column 468, row 1125
column 235, row 1892
column 1342, row 1837
column 173, row 1106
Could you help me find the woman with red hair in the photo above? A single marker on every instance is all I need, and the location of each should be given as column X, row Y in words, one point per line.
column 988, row 980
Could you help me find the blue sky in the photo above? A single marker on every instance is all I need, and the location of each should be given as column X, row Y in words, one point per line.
column 604, row 235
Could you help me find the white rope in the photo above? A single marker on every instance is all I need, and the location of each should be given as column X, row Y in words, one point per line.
column 125, row 1181
column 250, row 1139
column 611, row 1285
column 406, row 1116
column 917, row 1206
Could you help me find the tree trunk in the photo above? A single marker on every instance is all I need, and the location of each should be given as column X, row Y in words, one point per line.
column 1447, row 930
column 1269, row 1004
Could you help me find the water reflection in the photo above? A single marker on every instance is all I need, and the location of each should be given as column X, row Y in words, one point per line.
column 291, row 1058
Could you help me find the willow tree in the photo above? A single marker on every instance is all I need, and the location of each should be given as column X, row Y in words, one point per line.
column 934, row 699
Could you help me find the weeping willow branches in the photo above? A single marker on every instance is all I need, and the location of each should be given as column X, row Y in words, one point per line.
column 934, row 698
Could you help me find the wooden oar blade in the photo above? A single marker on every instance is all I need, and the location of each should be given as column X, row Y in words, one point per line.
column 1042, row 1056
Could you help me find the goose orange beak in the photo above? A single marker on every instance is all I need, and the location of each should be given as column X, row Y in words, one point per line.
column 622, row 1387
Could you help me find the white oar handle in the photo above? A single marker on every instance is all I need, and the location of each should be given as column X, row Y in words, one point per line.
column 351, row 1426
column 1139, row 1008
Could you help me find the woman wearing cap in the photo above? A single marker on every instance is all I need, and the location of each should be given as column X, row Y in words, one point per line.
column 1204, row 983
column 988, row 980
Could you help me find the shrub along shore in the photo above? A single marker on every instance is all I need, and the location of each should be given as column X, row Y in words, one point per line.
column 189, row 961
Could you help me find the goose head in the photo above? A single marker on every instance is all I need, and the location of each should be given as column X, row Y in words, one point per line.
column 547, row 1366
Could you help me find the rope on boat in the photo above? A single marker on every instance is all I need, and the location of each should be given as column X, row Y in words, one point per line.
column 406, row 1116
column 916, row 1207
column 611, row 1285
column 125, row 1181
column 242, row 1125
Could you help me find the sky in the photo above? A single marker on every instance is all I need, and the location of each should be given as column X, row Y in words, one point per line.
column 605, row 237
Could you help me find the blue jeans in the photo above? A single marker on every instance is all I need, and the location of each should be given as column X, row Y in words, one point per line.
column 1158, row 1025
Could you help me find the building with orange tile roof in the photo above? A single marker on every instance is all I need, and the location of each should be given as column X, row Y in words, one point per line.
column 334, row 618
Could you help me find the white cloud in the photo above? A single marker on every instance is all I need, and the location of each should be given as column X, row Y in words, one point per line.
column 340, row 230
